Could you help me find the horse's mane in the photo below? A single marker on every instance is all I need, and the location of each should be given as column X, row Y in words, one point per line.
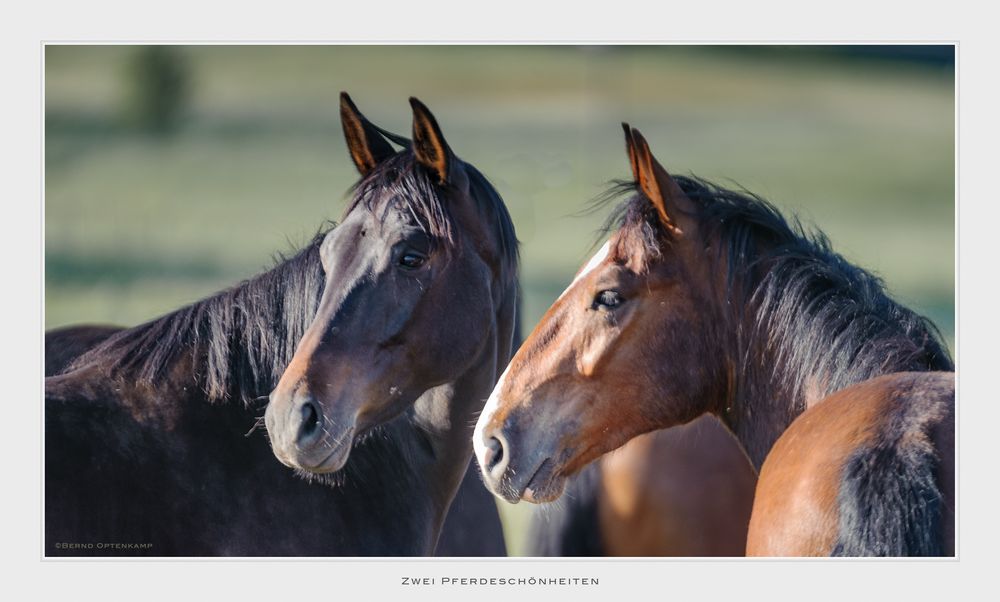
column 247, row 333
column 795, row 304
column 401, row 179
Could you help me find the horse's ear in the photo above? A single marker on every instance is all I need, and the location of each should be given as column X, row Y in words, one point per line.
column 367, row 146
column 630, row 148
column 429, row 146
column 662, row 191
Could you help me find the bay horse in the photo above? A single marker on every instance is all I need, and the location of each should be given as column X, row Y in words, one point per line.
column 707, row 300
column 472, row 527
column 146, row 453
column 682, row 491
column 417, row 319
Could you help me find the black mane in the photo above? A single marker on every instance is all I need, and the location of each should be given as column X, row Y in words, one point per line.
column 247, row 333
column 410, row 185
column 803, row 315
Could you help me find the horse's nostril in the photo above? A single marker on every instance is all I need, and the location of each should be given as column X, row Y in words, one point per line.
column 494, row 453
column 311, row 420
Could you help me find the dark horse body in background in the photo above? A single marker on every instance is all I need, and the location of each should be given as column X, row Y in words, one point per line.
column 682, row 491
column 472, row 527
column 146, row 453
column 707, row 300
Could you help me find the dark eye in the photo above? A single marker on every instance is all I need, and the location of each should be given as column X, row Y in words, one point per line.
column 607, row 300
column 411, row 260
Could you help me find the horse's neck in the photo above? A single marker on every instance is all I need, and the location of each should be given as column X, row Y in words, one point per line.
column 405, row 475
column 773, row 387
column 771, row 390
column 447, row 414
column 758, row 420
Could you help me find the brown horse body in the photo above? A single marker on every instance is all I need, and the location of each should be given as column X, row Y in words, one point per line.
column 708, row 300
column 800, row 496
column 682, row 491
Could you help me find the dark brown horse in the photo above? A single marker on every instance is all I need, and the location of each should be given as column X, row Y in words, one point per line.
column 707, row 300
column 416, row 321
column 472, row 527
column 681, row 491
column 145, row 450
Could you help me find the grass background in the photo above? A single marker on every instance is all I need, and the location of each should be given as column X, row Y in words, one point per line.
column 138, row 224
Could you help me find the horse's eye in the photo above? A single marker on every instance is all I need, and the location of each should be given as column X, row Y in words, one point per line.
column 411, row 260
column 607, row 300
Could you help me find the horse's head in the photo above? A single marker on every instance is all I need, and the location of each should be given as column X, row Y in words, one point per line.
column 415, row 274
column 623, row 351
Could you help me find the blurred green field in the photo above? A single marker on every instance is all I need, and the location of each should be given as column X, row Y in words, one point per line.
column 137, row 225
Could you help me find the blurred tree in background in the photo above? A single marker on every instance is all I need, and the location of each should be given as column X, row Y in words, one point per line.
column 157, row 91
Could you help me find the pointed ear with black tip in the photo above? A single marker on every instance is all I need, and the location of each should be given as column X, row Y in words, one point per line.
column 367, row 146
column 429, row 145
column 630, row 149
column 662, row 191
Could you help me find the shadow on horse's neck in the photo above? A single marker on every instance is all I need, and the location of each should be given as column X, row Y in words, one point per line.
column 814, row 324
column 801, row 321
